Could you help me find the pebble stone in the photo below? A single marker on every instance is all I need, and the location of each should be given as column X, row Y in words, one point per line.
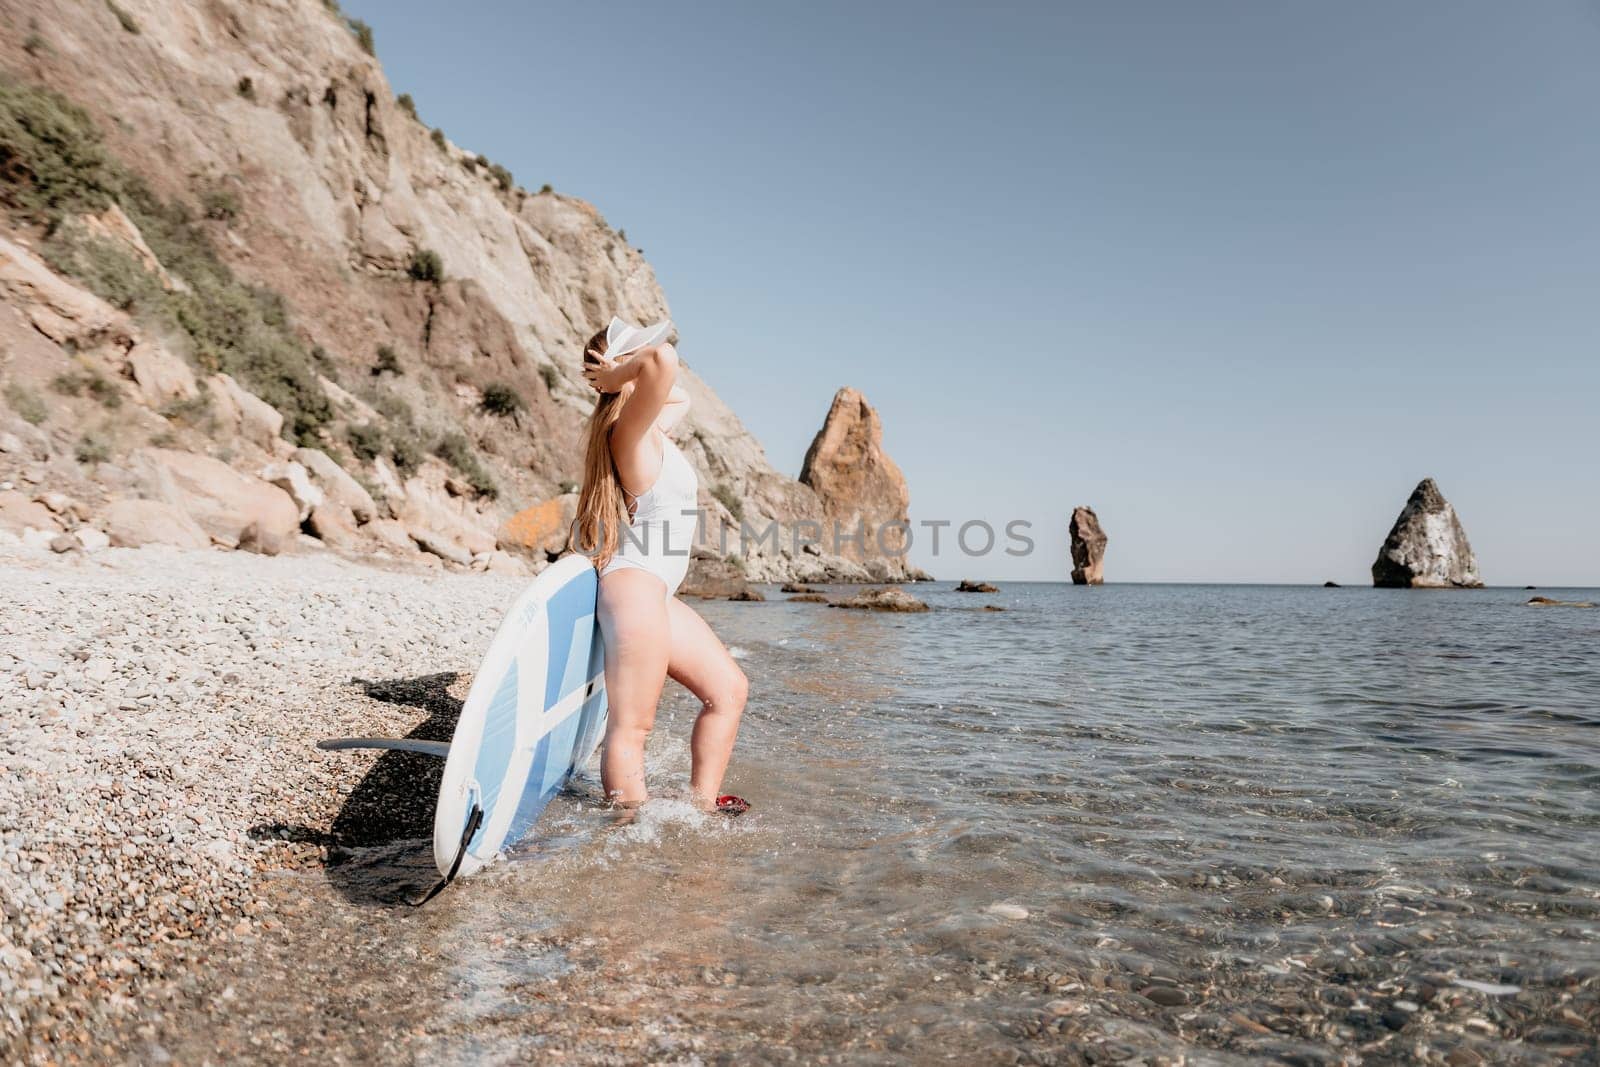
column 156, row 705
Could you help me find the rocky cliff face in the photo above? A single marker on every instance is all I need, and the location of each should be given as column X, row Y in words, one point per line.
column 245, row 247
column 1427, row 548
column 863, row 494
column 1088, row 547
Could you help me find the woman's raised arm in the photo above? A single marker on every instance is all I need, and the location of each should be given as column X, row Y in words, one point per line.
column 656, row 374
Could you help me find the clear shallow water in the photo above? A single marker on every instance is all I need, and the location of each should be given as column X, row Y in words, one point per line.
column 1199, row 823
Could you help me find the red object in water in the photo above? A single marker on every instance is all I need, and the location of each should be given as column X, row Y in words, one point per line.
column 728, row 804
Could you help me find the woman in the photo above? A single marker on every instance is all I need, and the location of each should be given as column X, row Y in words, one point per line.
column 636, row 518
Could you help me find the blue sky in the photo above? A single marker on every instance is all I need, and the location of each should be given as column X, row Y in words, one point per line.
column 1236, row 275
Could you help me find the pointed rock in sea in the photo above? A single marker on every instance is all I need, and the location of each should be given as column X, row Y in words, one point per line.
column 1088, row 547
column 1427, row 548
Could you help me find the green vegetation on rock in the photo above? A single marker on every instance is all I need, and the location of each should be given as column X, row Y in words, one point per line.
column 95, row 384
column 388, row 361
column 109, row 269
column 500, row 399
column 455, row 450
column 426, row 266
column 56, row 168
column 363, row 34
column 730, row 500
column 26, row 403
column 92, row 448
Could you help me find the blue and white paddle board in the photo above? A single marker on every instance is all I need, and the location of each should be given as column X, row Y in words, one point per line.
column 535, row 713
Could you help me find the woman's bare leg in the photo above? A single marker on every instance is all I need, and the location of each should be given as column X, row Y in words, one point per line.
column 699, row 662
column 633, row 622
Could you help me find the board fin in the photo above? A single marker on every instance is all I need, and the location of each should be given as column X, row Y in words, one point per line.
column 441, row 749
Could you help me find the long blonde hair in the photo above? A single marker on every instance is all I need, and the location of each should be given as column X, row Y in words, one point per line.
column 602, row 510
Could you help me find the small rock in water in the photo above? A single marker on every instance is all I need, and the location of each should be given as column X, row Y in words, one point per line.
column 1008, row 911
column 1164, row 995
column 1493, row 989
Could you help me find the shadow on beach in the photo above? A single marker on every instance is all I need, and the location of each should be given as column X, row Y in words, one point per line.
column 380, row 844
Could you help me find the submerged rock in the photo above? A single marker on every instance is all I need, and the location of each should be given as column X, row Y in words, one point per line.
column 713, row 577
column 1546, row 602
column 1427, row 548
column 1088, row 547
column 882, row 600
column 969, row 586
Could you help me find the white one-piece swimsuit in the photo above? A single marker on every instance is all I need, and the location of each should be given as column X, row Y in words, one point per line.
column 663, row 527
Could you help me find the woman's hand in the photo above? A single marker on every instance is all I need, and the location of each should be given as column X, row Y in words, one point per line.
column 605, row 373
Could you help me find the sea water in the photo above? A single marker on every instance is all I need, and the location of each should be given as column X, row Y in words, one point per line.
column 1141, row 823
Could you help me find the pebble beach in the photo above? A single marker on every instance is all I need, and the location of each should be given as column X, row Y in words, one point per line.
column 158, row 713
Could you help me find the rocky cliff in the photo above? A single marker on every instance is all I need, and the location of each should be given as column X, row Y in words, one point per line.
column 865, row 502
column 1088, row 547
column 224, row 237
column 1427, row 548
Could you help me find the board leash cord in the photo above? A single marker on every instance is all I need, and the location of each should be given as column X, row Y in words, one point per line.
column 474, row 821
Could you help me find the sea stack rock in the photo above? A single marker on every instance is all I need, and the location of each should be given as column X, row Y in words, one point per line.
column 1088, row 547
column 1427, row 549
column 858, row 483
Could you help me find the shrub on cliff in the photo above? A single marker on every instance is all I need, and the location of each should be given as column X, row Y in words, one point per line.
column 219, row 204
column 455, row 450
column 426, row 266
column 388, row 361
column 405, row 453
column 730, row 500
column 26, row 403
column 408, row 105
column 51, row 156
column 92, row 448
column 500, row 399
column 363, row 34
column 99, row 387
column 108, row 268
column 53, row 165
column 367, row 440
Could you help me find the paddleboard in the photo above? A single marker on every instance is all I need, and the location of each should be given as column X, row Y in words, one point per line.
column 535, row 714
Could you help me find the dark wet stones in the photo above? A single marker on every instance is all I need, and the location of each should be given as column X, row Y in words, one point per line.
column 1395, row 1018
column 1164, row 995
